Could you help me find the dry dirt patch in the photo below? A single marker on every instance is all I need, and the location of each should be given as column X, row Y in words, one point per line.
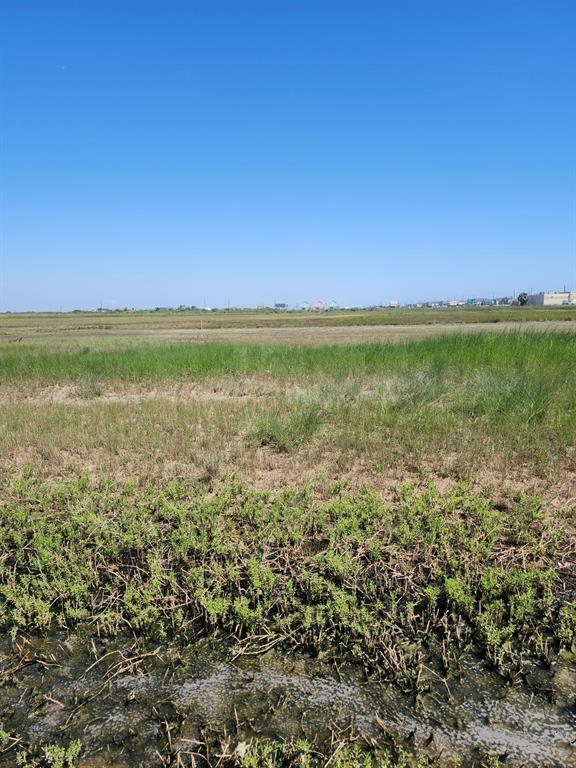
column 226, row 389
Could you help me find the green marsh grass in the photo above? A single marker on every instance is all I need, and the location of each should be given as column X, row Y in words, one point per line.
column 552, row 353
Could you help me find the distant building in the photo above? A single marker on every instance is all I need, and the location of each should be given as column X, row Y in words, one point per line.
column 319, row 305
column 394, row 304
column 557, row 299
column 479, row 302
column 281, row 305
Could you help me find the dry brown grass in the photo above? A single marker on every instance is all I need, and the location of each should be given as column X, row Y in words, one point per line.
column 186, row 331
column 215, row 429
column 226, row 388
column 496, row 410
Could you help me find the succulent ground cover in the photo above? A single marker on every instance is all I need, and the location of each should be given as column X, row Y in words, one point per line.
column 388, row 584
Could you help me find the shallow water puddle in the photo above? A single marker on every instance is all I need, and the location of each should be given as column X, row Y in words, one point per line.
column 129, row 704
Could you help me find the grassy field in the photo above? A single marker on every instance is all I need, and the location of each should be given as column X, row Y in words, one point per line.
column 122, row 329
column 154, row 320
column 389, row 506
column 515, row 351
column 488, row 406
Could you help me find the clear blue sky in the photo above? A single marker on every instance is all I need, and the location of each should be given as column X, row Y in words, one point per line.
column 167, row 152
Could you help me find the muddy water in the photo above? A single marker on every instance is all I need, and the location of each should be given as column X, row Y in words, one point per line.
column 132, row 705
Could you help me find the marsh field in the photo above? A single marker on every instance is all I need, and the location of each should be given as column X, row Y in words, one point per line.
column 261, row 540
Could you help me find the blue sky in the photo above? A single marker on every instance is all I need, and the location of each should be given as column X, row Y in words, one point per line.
column 212, row 151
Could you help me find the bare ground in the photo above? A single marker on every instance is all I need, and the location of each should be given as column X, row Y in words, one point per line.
column 226, row 389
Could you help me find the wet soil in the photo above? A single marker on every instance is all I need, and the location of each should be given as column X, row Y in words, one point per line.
column 132, row 704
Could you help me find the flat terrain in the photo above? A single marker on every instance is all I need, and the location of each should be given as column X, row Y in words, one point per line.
column 309, row 335
column 489, row 407
column 205, row 547
column 118, row 329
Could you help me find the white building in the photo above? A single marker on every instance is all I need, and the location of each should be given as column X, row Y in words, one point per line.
column 557, row 299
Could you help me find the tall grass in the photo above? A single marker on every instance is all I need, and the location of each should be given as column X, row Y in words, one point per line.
column 552, row 353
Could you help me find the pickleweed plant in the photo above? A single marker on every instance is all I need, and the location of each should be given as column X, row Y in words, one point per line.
column 386, row 581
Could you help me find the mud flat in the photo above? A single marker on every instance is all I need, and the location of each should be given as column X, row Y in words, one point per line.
column 131, row 704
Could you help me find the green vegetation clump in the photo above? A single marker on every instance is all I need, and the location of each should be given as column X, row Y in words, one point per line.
column 51, row 756
column 88, row 388
column 300, row 754
column 347, row 576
